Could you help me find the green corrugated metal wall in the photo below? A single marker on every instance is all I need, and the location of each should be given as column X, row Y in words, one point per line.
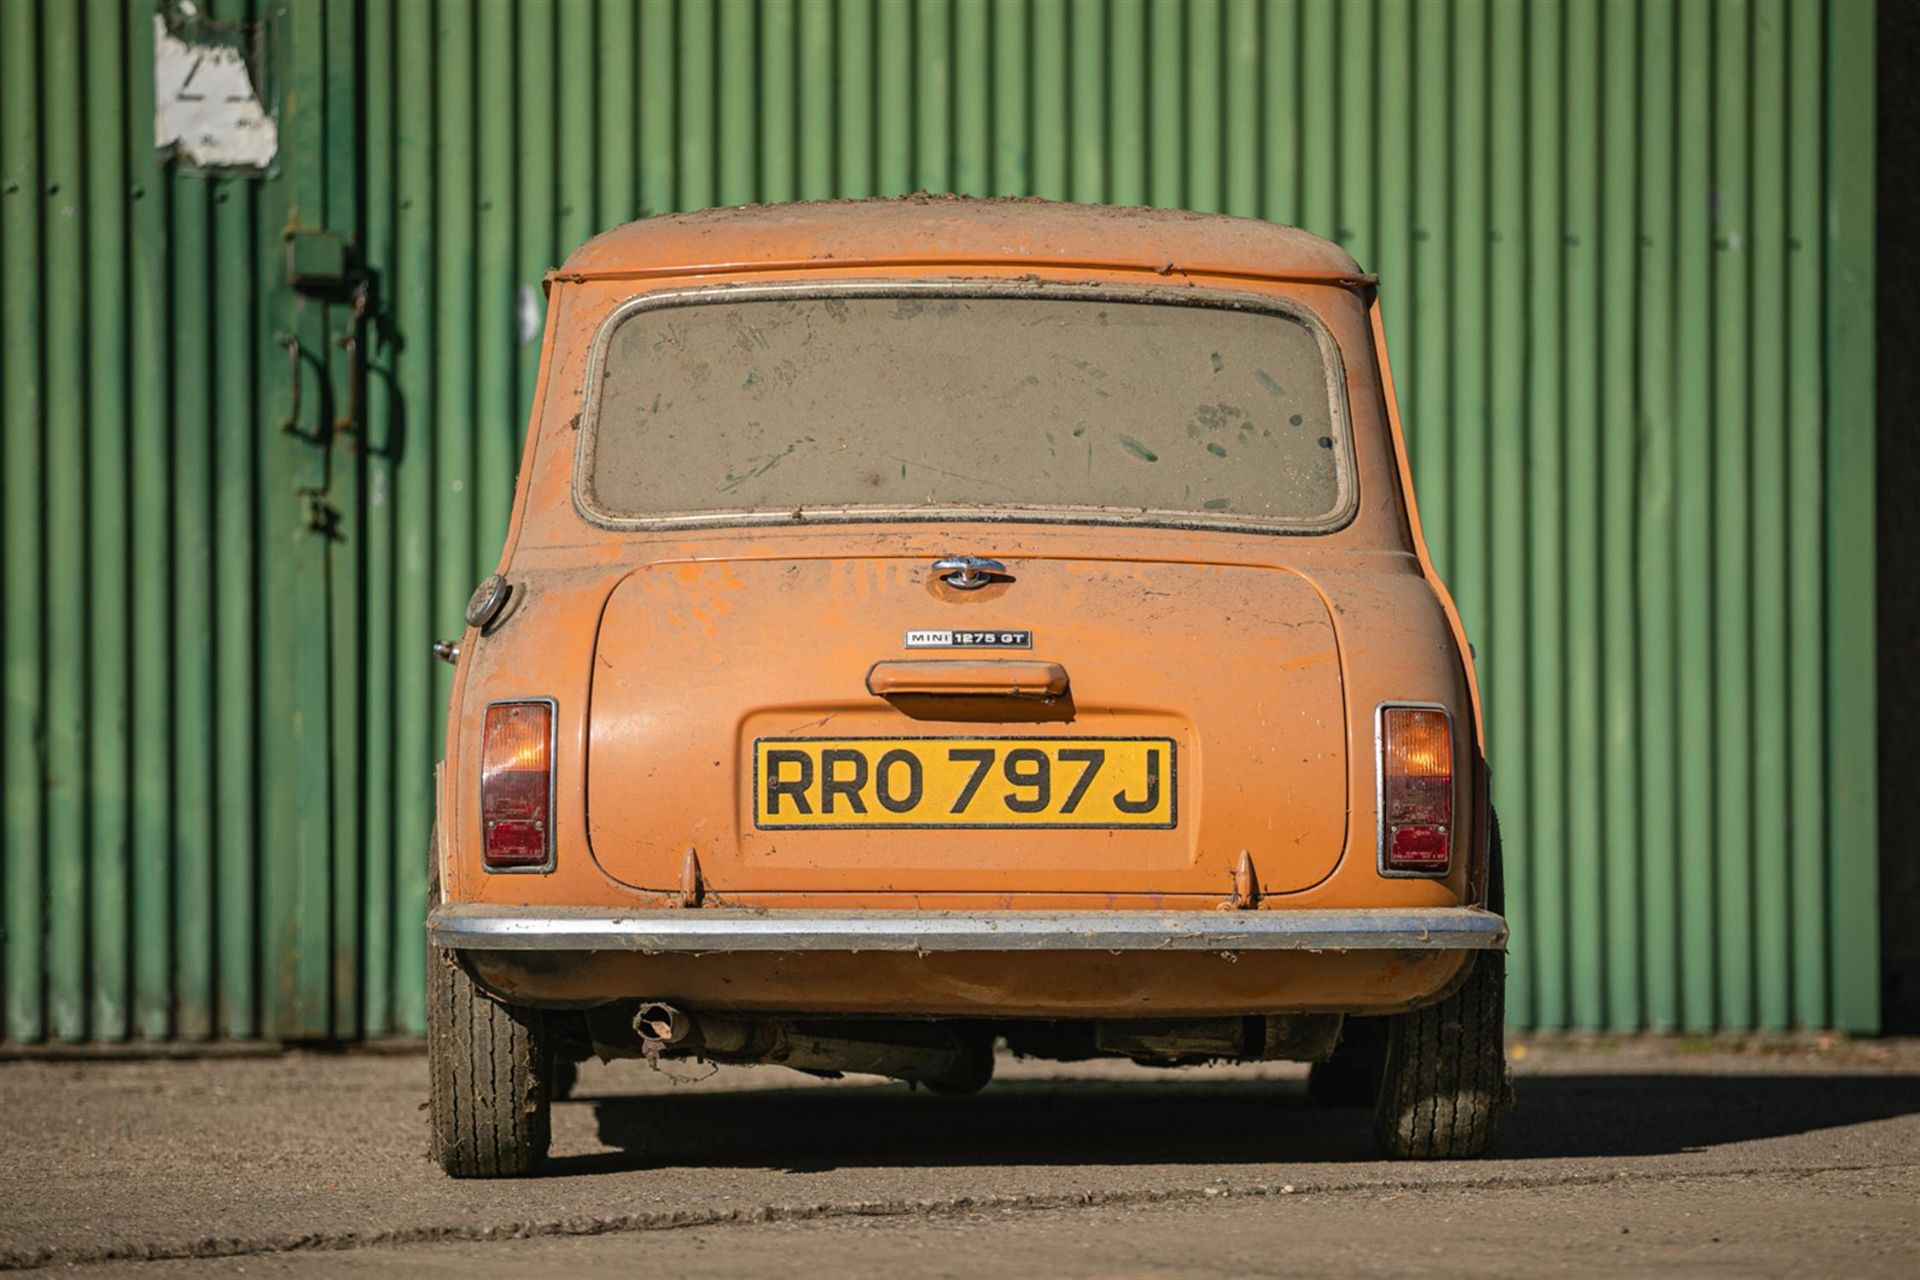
column 1628, row 279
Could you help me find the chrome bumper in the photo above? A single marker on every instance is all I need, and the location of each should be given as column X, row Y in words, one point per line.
column 705, row 930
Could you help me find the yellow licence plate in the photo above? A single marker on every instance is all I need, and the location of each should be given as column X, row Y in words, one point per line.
column 963, row 782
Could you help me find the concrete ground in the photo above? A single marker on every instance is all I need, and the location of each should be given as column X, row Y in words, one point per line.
column 1621, row 1158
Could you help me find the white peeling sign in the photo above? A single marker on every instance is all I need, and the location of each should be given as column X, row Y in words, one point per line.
column 205, row 107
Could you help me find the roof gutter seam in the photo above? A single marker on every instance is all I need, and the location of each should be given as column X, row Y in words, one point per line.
column 1336, row 279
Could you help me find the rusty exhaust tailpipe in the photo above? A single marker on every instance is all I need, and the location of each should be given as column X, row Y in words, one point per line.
column 661, row 1026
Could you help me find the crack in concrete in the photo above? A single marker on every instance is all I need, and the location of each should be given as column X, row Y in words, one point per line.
column 674, row 1220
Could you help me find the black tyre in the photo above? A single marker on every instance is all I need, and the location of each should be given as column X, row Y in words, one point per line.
column 1351, row 1077
column 492, row 1075
column 1444, row 1086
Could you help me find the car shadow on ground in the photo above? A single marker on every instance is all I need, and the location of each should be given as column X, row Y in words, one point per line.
column 1200, row 1122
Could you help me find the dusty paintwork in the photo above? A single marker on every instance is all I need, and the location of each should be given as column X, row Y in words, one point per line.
column 668, row 649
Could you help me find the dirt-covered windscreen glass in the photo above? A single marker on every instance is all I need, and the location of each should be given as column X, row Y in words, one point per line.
column 1074, row 408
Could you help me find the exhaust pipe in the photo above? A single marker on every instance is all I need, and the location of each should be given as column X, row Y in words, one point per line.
column 661, row 1026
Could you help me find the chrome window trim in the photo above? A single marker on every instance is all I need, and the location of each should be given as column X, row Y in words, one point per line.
column 1345, row 465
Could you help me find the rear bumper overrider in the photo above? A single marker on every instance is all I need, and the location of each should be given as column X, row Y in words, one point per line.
column 706, row 931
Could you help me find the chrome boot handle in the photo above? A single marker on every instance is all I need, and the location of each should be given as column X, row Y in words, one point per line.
column 968, row 572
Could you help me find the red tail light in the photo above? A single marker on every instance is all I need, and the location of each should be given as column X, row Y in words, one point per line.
column 1416, row 791
column 516, row 786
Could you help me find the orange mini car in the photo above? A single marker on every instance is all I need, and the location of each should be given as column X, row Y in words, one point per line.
column 934, row 622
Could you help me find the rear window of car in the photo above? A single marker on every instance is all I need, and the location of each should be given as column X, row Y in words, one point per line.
column 1016, row 405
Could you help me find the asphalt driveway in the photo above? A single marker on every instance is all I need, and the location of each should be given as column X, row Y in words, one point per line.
column 1621, row 1157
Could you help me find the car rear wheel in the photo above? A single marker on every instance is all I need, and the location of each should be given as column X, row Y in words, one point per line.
column 1444, row 1085
column 492, row 1068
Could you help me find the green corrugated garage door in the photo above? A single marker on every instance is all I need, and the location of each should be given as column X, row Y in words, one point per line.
column 1628, row 279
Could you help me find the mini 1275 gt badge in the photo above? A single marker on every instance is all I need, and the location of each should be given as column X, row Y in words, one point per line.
column 969, row 639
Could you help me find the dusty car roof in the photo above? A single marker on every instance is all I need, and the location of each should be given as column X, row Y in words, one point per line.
column 957, row 229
